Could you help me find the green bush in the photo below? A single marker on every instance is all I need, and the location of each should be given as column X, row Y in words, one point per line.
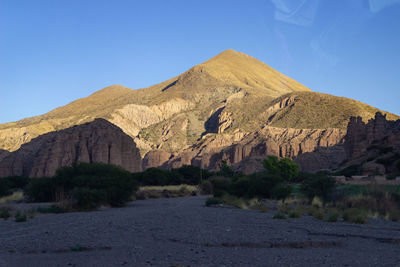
column 294, row 214
column 20, row 217
column 355, row 215
column 206, row 188
column 10, row 183
column 281, row 191
column 225, row 170
column 317, row 185
column 332, row 216
column 213, row 201
column 88, row 199
column 221, row 185
column 350, row 171
column 5, row 213
column 86, row 184
column 284, row 168
column 279, row 215
column 51, row 209
column 5, row 190
column 40, row 190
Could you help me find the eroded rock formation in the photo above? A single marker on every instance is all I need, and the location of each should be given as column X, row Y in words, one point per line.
column 96, row 141
column 246, row 154
column 375, row 145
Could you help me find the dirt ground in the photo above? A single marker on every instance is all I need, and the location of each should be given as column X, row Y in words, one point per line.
column 183, row 232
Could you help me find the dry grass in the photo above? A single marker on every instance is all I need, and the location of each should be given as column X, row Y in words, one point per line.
column 16, row 196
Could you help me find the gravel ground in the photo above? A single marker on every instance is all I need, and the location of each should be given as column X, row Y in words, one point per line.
column 183, row 232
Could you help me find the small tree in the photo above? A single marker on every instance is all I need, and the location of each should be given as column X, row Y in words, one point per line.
column 281, row 191
column 285, row 168
column 225, row 170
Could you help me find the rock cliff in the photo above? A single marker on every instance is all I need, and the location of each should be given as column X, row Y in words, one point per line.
column 374, row 146
column 96, row 141
column 246, row 153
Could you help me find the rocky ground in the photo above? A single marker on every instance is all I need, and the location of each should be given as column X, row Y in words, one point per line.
column 183, row 232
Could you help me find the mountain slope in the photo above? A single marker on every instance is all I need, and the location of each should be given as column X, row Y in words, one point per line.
column 217, row 102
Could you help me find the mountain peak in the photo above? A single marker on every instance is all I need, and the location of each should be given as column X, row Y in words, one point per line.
column 241, row 70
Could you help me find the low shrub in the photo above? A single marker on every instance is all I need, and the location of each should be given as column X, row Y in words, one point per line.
column 40, row 190
column 294, row 214
column 319, row 214
column 5, row 213
column 355, row 215
column 318, row 185
column 206, row 188
column 88, row 199
column 20, row 217
column 50, row 209
column 281, row 191
column 332, row 215
column 394, row 215
column 279, row 215
column 221, row 185
column 213, row 201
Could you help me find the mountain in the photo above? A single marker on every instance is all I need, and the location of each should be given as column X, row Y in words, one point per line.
column 215, row 105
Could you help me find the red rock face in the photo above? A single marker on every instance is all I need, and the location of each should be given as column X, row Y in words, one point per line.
column 370, row 144
column 377, row 132
column 247, row 154
column 96, row 141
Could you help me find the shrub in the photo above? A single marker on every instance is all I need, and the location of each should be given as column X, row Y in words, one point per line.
column 16, row 182
column 394, row 215
column 350, row 171
column 284, row 168
column 319, row 214
column 221, row 185
column 88, row 199
column 5, row 190
column 95, row 181
column 5, row 213
column 355, row 215
column 213, row 201
column 40, row 190
column 332, row 216
column 51, row 209
column 316, row 185
column 294, row 214
column 279, row 215
column 206, row 188
column 20, row 217
column 191, row 175
column 281, row 191
column 225, row 170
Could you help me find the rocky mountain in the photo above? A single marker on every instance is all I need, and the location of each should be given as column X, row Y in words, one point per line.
column 232, row 107
column 96, row 141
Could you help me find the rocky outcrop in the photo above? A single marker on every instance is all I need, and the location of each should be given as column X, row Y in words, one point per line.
column 374, row 145
column 155, row 158
column 252, row 148
column 96, row 141
column 379, row 132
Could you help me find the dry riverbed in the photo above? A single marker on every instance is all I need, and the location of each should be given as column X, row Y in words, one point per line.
column 183, row 232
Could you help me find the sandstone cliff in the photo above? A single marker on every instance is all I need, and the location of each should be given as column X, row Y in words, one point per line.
column 96, row 141
column 247, row 152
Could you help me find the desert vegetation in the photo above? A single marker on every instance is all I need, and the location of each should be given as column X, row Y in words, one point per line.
column 298, row 194
column 280, row 187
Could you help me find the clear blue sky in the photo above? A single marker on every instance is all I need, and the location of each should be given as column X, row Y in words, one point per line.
column 53, row 52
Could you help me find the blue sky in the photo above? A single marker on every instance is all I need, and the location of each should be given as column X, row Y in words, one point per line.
column 53, row 52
